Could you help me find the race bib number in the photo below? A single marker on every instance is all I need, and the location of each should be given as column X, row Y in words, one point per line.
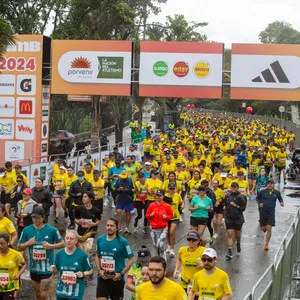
column 223, row 174
column 58, row 183
column 147, row 147
column 242, row 191
column 87, row 221
column 252, row 167
column 282, row 160
column 3, row 279
column 144, row 192
column 96, row 194
column 189, row 289
column 68, row 278
column 39, row 253
column 206, row 298
column 108, row 265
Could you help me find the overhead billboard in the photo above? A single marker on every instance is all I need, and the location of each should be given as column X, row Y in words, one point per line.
column 91, row 67
column 21, row 98
column 181, row 69
column 265, row 72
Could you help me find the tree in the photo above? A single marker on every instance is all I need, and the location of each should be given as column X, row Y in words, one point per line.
column 279, row 32
column 32, row 16
column 6, row 36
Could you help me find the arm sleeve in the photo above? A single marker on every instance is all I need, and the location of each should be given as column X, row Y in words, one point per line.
column 243, row 203
column 279, row 197
column 149, row 211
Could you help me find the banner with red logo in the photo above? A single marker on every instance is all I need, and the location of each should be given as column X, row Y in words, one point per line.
column 265, row 72
column 91, row 67
column 20, row 99
column 181, row 69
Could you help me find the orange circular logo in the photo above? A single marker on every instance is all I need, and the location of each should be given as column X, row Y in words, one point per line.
column 181, row 69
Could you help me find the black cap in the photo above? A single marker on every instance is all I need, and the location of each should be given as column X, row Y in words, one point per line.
column 271, row 181
column 18, row 167
column 240, row 173
column 193, row 234
column 238, row 163
column 38, row 212
column 143, row 254
column 172, row 186
column 88, row 157
column 154, row 172
column 160, row 192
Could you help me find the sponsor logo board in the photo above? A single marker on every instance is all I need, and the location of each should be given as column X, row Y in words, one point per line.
column 26, row 85
column 6, row 129
column 14, row 150
column 7, row 107
column 25, row 107
column 7, row 84
column 25, row 129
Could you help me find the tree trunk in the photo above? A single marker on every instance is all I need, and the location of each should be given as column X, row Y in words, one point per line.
column 119, row 122
column 95, row 123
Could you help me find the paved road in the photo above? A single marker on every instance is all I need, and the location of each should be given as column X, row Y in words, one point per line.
column 246, row 267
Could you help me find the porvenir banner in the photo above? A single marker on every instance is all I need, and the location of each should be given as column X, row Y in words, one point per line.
column 181, row 69
column 265, row 72
column 91, row 67
column 21, row 122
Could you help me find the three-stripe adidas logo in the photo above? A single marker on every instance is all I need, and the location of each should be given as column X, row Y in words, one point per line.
column 268, row 76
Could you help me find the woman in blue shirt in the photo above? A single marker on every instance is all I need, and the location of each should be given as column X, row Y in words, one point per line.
column 73, row 265
column 200, row 206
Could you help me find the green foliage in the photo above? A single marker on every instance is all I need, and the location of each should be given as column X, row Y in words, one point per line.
column 6, row 36
column 279, row 32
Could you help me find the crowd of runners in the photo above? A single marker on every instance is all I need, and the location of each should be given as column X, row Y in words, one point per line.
column 207, row 169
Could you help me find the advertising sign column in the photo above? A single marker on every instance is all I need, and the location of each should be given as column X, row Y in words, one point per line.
column 20, row 99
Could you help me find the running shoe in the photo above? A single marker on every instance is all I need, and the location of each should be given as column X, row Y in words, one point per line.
column 215, row 236
column 72, row 226
column 135, row 223
column 266, row 247
column 66, row 214
column 168, row 249
column 172, row 253
column 105, row 202
column 56, row 220
column 180, row 219
column 228, row 256
column 126, row 231
column 145, row 230
column 113, row 205
column 238, row 247
column 164, row 255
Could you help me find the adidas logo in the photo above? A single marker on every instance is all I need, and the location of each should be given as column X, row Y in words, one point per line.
column 271, row 74
column 46, row 237
column 76, row 263
column 115, row 249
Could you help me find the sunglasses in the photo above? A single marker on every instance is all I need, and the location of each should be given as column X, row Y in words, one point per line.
column 191, row 240
column 207, row 260
column 19, row 180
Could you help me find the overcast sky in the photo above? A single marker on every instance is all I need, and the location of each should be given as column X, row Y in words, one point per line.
column 233, row 21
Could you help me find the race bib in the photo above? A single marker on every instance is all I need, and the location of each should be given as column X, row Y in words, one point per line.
column 3, row 279
column 96, row 194
column 189, row 289
column 68, row 278
column 143, row 192
column 252, row 167
column 147, row 147
column 282, row 160
column 58, row 183
column 39, row 253
column 87, row 221
column 223, row 174
column 206, row 298
column 108, row 265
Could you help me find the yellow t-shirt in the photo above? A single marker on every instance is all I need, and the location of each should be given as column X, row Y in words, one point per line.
column 189, row 266
column 9, row 268
column 212, row 287
column 166, row 169
column 219, row 194
column 169, row 290
column 253, row 167
column 7, row 226
column 105, row 170
column 194, row 185
column 227, row 162
column 142, row 194
column 147, row 145
column 98, row 192
column 234, row 171
column 25, row 179
column 59, row 182
column 281, row 158
column 176, row 201
column 166, row 187
column 7, row 182
column 88, row 176
column 153, row 185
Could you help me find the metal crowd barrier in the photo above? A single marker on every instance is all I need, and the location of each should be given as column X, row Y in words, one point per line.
column 274, row 283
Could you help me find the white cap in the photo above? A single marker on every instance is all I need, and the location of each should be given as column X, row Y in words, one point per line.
column 210, row 252
column 148, row 163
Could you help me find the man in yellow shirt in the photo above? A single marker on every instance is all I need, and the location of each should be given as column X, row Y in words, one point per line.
column 6, row 186
column 211, row 282
column 159, row 287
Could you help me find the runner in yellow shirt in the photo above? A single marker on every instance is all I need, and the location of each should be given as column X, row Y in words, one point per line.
column 60, row 187
column 194, row 184
column 7, row 226
column 227, row 161
column 167, row 167
column 7, row 184
column 211, row 282
column 98, row 188
column 243, row 184
column 88, row 172
column 281, row 158
column 189, row 260
column 10, row 262
column 176, row 202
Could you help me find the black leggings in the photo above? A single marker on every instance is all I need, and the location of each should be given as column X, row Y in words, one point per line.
column 209, row 225
column 8, row 295
column 140, row 207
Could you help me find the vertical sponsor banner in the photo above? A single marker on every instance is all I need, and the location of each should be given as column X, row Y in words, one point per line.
column 91, row 67
column 181, row 69
column 20, row 98
column 265, row 72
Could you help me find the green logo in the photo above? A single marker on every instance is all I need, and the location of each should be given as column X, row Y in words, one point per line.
column 160, row 68
column 110, row 67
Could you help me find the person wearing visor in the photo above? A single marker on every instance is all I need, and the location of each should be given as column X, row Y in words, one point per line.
column 189, row 260
column 134, row 277
column 159, row 213
column 211, row 282
column 41, row 240
column 124, row 189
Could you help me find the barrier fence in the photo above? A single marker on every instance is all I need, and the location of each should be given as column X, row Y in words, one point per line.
column 274, row 283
